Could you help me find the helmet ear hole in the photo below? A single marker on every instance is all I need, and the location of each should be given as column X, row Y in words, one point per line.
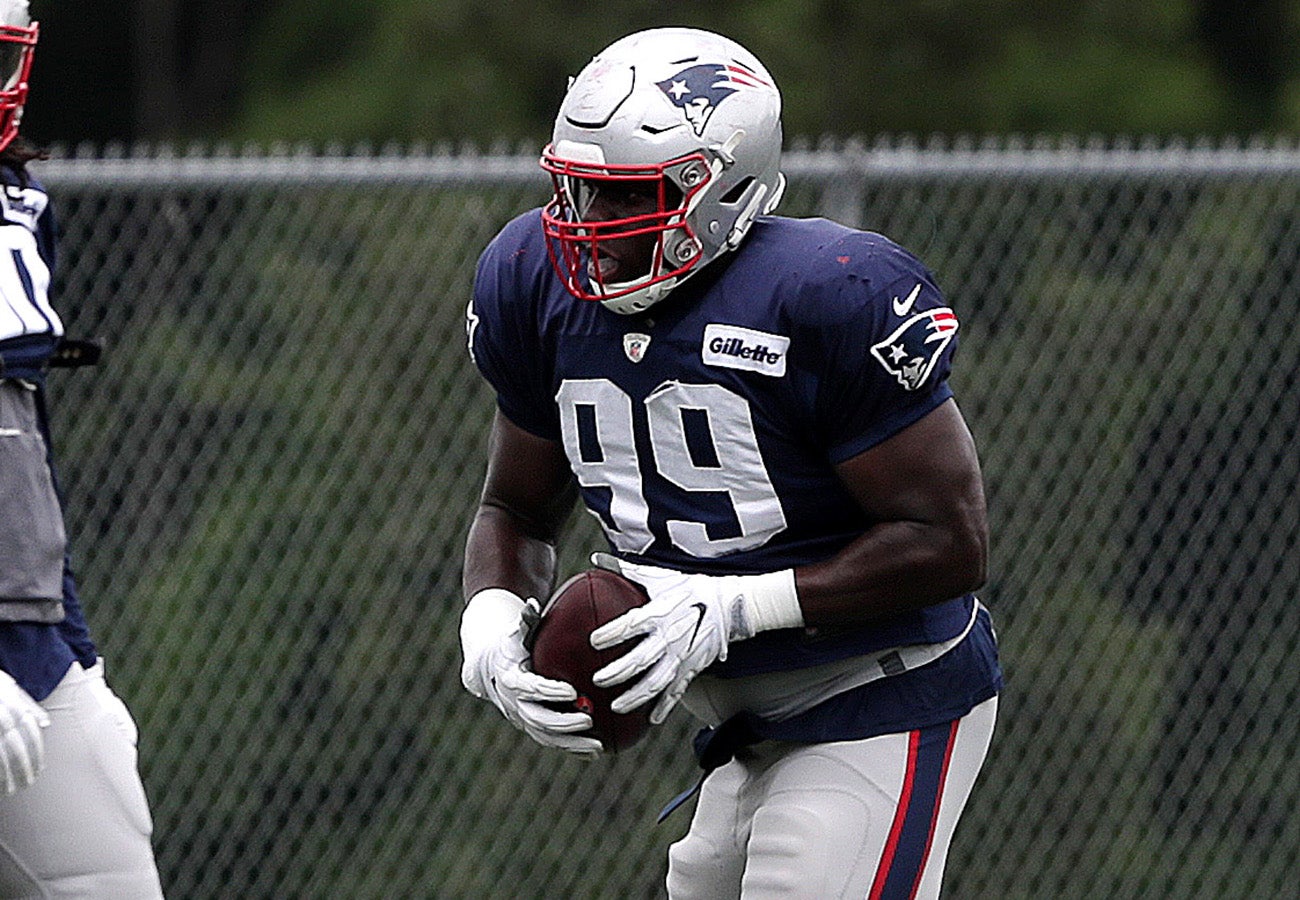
column 732, row 197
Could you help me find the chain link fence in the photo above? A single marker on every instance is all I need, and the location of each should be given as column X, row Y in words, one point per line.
column 271, row 472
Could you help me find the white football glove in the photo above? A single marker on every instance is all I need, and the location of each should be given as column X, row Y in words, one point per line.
column 22, row 746
column 492, row 630
column 685, row 627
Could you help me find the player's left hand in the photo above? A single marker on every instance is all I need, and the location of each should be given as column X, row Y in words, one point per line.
column 22, row 746
column 687, row 625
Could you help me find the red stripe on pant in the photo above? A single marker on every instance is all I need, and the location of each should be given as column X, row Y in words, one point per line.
column 911, row 836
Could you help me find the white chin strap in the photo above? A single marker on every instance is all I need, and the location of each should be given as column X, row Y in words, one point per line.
column 638, row 301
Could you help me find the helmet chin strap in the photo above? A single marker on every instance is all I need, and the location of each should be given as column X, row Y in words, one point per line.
column 726, row 151
column 746, row 218
column 639, row 301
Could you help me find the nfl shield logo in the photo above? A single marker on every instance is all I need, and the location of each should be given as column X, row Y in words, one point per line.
column 634, row 345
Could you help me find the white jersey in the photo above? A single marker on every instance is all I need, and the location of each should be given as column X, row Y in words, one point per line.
column 24, row 276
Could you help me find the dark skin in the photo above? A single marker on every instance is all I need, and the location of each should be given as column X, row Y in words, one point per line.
column 922, row 487
column 627, row 258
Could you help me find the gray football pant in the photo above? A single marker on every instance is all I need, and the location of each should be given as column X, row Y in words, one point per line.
column 83, row 829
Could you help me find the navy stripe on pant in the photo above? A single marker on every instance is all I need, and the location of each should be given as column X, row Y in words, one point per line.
column 929, row 752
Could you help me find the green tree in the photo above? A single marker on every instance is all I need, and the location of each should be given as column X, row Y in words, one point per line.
column 415, row 69
column 436, row 70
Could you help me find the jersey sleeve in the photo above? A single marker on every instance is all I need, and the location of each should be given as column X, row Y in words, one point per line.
column 29, row 325
column 505, row 343
column 889, row 338
column 47, row 235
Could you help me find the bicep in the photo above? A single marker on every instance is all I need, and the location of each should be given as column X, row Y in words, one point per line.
column 528, row 477
column 927, row 540
column 929, row 472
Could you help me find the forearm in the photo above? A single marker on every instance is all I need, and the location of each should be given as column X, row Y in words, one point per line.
column 500, row 552
column 892, row 568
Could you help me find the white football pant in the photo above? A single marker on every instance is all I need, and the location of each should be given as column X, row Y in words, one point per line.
column 83, row 829
column 862, row 819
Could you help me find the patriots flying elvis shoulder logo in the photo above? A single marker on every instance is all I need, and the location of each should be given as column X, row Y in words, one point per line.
column 911, row 352
column 698, row 90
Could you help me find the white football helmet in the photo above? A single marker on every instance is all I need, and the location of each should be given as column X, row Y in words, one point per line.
column 17, row 42
column 691, row 116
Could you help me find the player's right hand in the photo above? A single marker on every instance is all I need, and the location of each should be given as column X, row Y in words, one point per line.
column 22, row 746
column 496, row 668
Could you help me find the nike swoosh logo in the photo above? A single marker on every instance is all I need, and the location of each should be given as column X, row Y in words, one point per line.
column 698, row 622
column 903, row 307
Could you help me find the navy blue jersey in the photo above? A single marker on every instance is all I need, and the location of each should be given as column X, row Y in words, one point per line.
column 704, row 433
column 36, row 655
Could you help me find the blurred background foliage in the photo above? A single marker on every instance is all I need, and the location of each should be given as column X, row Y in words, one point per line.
column 348, row 71
column 258, row 516
column 272, row 470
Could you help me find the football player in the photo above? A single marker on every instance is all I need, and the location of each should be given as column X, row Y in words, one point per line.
column 757, row 411
column 73, row 816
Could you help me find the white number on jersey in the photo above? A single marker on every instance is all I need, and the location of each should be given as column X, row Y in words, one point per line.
column 739, row 471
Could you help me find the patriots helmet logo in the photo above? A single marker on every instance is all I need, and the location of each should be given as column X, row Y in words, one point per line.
column 911, row 352
column 698, row 90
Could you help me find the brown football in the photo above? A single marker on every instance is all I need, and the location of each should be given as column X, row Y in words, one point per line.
column 562, row 650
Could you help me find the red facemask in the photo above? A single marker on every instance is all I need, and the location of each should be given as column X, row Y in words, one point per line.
column 615, row 229
column 17, row 45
